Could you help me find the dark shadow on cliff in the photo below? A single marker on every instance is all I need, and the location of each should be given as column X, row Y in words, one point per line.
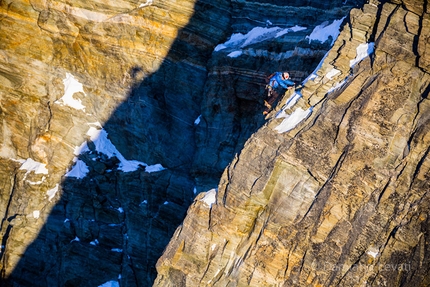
column 191, row 116
column 112, row 225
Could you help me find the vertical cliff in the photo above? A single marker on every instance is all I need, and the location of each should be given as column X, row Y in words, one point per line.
column 334, row 189
column 97, row 104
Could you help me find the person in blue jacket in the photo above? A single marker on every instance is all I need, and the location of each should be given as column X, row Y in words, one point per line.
column 276, row 81
column 280, row 79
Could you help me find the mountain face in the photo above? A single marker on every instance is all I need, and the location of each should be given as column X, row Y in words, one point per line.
column 116, row 115
column 334, row 189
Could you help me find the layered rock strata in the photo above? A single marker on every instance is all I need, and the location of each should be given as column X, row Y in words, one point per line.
column 65, row 68
column 340, row 197
column 101, row 152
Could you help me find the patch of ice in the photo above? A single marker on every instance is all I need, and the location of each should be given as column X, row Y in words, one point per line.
column 71, row 86
column 324, row 31
column 293, row 120
column 51, row 192
column 210, row 197
column 363, row 51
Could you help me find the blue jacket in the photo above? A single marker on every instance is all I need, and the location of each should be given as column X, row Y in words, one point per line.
column 277, row 80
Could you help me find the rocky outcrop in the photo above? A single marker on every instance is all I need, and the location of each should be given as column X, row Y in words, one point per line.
column 334, row 189
column 231, row 108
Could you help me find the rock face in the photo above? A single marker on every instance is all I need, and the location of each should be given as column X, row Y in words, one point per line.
column 115, row 114
column 85, row 91
column 334, row 189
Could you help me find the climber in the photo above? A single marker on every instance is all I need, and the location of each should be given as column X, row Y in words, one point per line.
column 274, row 82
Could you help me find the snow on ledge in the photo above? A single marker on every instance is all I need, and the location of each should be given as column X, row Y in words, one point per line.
column 210, row 197
column 102, row 144
column 79, row 170
column 197, row 121
column 363, row 51
column 234, row 54
column 33, row 166
column 147, row 3
column 51, row 193
column 71, row 86
column 256, row 35
column 290, row 122
column 323, row 32
column 110, row 284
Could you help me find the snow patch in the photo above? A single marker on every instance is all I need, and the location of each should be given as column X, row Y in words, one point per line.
column 71, row 86
column 210, row 197
column 324, row 31
column 293, row 120
column 119, row 250
column 102, row 144
column 292, row 100
column 337, row 86
column 197, row 121
column 154, row 168
column 110, row 284
column 36, row 214
column 147, row 3
column 79, row 170
column 363, row 51
column 32, row 165
column 37, row 182
column 51, row 192
column 75, row 239
column 256, row 35
column 333, row 72
column 234, row 54
column 373, row 252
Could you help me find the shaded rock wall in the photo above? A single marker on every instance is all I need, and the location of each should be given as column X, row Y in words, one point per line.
column 342, row 198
